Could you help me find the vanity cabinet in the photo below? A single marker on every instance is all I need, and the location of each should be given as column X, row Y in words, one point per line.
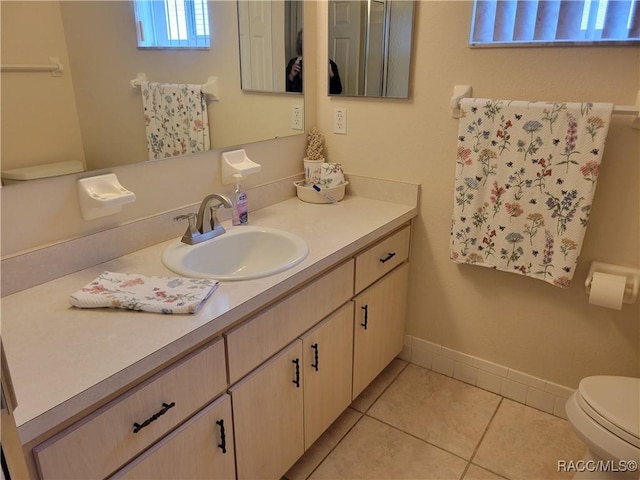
column 250, row 402
column 201, row 448
column 106, row 440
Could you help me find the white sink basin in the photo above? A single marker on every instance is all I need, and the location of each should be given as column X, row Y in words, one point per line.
column 242, row 253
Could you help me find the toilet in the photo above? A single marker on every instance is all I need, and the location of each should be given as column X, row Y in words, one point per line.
column 19, row 175
column 605, row 413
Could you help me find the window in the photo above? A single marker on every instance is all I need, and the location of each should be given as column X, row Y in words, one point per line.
column 535, row 22
column 172, row 23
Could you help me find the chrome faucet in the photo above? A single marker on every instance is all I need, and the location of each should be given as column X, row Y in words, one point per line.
column 205, row 224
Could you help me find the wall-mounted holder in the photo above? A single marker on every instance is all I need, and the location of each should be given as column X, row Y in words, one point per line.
column 459, row 92
column 234, row 162
column 632, row 275
column 102, row 195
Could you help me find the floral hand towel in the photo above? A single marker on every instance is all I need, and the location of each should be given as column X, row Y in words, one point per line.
column 176, row 119
column 526, row 173
column 149, row 294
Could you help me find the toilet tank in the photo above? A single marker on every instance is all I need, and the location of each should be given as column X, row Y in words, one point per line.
column 18, row 175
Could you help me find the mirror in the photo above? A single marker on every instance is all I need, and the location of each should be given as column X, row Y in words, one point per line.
column 370, row 41
column 90, row 111
column 270, row 32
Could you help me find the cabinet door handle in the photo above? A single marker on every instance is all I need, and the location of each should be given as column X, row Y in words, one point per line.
column 296, row 381
column 315, row 356
column 223, row 438
column 366, row 316
column 165, row 406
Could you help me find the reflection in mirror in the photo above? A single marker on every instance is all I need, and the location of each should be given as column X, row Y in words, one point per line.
column 377, row 34
column 90, row 113
column 270, row 33
column 294, row 72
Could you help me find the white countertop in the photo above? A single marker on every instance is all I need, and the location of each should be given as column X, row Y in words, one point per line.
column 63, row 360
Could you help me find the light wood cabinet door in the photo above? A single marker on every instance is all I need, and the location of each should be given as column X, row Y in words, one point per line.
column 268, row 416
column 328, row 367
column 379, row 326
column 201, row 448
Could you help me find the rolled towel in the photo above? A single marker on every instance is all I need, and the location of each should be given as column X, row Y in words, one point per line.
column 149, row 294
column 331, row 175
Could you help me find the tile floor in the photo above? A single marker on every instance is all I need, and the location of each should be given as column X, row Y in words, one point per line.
column 413, row 423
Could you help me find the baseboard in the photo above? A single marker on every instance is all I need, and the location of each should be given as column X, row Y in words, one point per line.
column 504, row 381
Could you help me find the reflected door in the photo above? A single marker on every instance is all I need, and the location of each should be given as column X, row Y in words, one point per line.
column 254, row 23
column 345, row 21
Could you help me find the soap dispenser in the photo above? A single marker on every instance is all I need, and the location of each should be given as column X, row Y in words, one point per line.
column 240, row 215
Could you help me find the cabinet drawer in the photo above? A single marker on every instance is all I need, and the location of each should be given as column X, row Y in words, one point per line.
column 381, row 258
column 104, row 441
column 262, row 336
column 200, row 448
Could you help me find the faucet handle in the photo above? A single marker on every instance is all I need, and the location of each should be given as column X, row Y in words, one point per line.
column 191, row 218
column 186, row 216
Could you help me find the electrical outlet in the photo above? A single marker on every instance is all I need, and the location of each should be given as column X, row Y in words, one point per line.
column 340, row 121
column 297, row 117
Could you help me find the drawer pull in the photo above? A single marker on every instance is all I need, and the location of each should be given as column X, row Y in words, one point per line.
column 366, row 316
column 297, row 379
column 223, row 438
column 388, row 257
column 165, row 406
column 315, row 356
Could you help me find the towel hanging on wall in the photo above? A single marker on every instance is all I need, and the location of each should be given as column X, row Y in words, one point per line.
column 176, row 119
column 526, row 174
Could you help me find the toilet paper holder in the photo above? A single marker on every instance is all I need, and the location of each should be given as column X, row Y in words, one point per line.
column 632, row 275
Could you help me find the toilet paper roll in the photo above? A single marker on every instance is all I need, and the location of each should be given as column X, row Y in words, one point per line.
column 607, row 290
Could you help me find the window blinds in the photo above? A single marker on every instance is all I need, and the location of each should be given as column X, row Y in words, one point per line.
column 172, row 23
column 510, row 22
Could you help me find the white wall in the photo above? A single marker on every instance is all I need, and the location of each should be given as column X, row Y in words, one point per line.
column 512, row 320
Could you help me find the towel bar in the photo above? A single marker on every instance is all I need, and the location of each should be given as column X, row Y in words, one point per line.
column 55, row 67
column 464, row 91
column 210, row 88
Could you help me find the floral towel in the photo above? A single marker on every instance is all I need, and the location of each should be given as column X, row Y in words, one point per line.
column 149, row 294
column 176, row 119
column 526, row 174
